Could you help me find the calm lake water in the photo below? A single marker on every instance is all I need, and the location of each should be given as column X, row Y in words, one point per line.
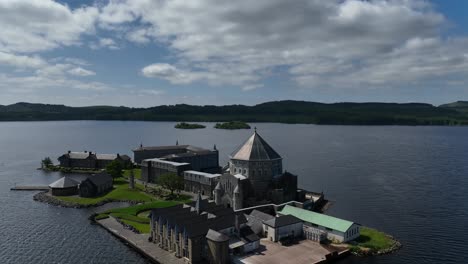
column 408, row 181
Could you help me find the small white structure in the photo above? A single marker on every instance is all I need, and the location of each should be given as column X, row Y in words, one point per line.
column 282, row 227
column 318, row 226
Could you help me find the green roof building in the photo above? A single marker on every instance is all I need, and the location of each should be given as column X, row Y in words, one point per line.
column 333, row 228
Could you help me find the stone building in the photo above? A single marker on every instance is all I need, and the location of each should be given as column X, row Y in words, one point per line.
column 95, row 185
column 317, row 226
column 151, row 169
column 281, row 227
column 91, row 160
column 201, row 159
column 65, row 186
column 217, row 247
column 255, row 176
column 200, row 182
column 185, row 231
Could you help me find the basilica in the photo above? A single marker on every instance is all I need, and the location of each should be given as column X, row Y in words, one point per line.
column 255, row 176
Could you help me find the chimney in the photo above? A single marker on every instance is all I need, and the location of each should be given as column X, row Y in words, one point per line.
column 69, row 151
column 118, row 155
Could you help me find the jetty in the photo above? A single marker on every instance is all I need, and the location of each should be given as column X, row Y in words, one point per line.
column 30, row 188
column 139, row 242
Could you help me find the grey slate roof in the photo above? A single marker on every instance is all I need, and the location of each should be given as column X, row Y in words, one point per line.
column 255, row 148
column 261, row 215
column 78, row 155
column 187, row 148
column 100, row 178
column 216, row 236
column 283, row 220
column 85, row 155
column 64, row 182
column 256, row 219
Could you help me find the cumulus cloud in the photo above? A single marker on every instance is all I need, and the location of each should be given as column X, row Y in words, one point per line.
column 37, row 25
column 170, row 73
column 104, row 43
column 21, row 61
column 78, row 71
column 317, row 42
column 314, row 43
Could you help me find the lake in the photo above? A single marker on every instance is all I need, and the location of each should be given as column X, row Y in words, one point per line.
column 410, row 182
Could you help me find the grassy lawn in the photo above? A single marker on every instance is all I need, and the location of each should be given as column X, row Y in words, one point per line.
column 137, row 215
column 142, row 228
column 136, row 172
column 371, row 239
column 121, row 192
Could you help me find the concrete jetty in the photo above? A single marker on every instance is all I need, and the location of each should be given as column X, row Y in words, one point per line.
column 30, row 188
column 139, row 242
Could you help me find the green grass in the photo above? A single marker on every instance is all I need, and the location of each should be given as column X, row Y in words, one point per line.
column 136, row 209
column 137, row 173
column 142, row 228
column 137, row 215
column 373, row 239
column 121, row 192
column 101, row 216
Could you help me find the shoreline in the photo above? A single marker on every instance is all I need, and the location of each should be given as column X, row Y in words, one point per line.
column 44, row 197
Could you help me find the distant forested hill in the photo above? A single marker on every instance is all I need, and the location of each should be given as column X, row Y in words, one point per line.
column 461, row 106
column 278, row 111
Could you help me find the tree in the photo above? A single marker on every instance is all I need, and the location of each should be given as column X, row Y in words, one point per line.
column 115, row 169
column 46, row 162
column 172, row 182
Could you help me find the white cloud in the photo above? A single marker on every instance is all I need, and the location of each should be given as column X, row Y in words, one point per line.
column 104, row 43
column 37, row 25
column 238, row 42
column 170, row 73
column 151, row 92
column 140, row 36
column 78, row 71
column 251, row 87
column 33, row 83
column 21, row 61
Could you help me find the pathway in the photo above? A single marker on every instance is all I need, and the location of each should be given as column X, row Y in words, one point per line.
column 139, row 242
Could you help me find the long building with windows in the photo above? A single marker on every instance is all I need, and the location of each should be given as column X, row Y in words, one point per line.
column 200, row 159
column 202, row 232
column 320, row 226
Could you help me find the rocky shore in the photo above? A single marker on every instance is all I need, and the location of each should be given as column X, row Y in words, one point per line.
column 366, row 252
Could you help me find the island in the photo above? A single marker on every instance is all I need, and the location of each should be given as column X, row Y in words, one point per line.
column 206, row 210
column 232, row 125
column 184, row 125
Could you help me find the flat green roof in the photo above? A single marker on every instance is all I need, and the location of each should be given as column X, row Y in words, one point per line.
column 318, row 219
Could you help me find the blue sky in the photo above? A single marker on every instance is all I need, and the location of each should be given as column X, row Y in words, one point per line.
column 146, row 53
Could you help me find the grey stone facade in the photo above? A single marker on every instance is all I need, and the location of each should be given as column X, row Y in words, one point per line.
column 255, row 176
column 91, row 160
column 201, row 231
column 151, row 169
column 200, row 182
column 200, row 159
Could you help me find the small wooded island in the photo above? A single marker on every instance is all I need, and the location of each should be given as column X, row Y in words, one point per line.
column 184, row 125
column 232, row 125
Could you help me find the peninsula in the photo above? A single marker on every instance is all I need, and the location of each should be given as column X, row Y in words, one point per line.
column 278, row 111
